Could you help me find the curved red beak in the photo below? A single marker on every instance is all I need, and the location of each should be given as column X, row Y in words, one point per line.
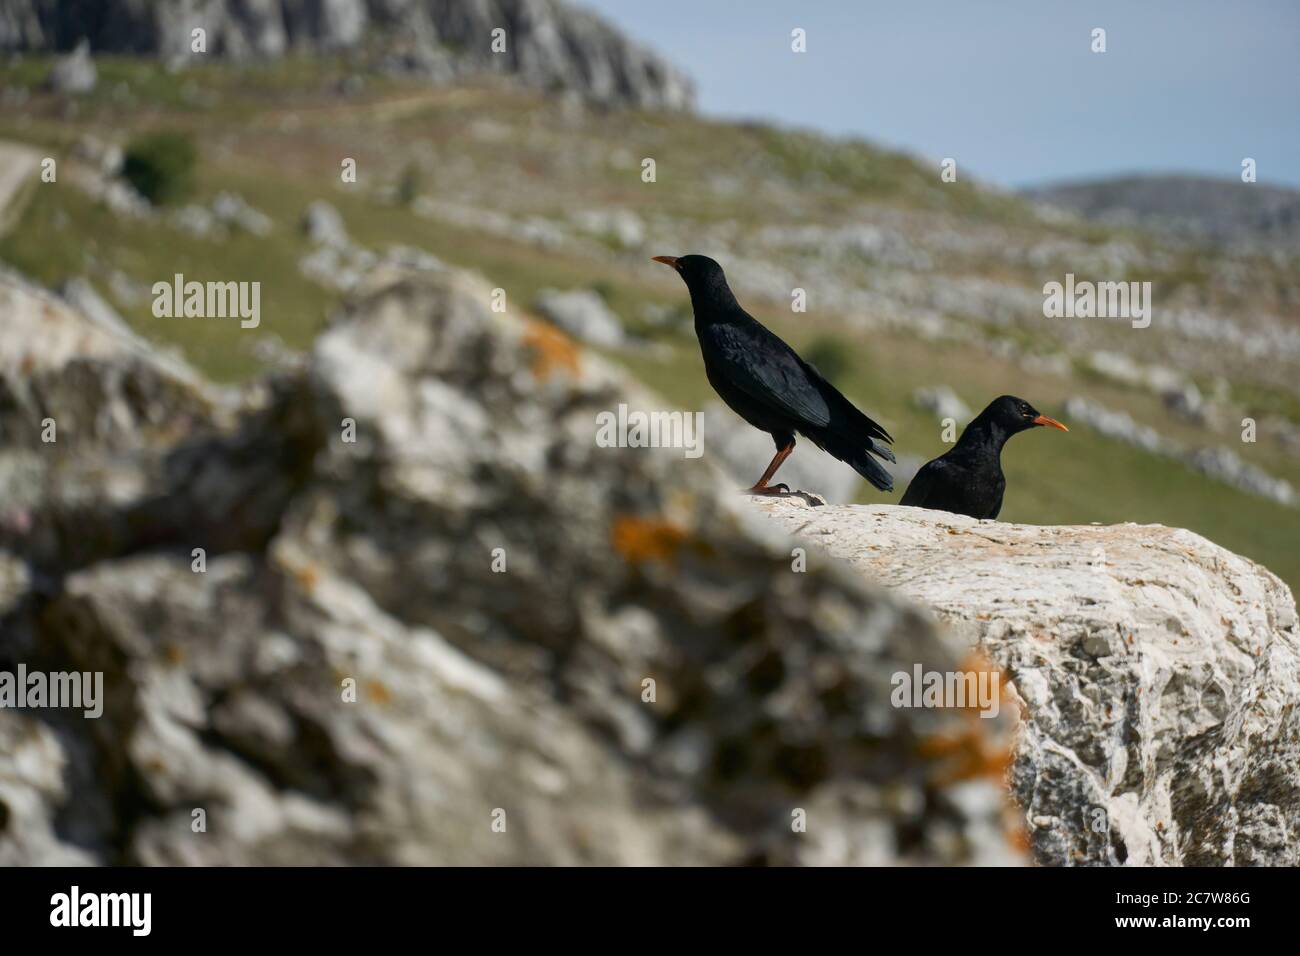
column 1050, row 423
column 666, row 260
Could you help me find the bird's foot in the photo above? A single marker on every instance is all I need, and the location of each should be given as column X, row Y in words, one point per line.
column 778, row 489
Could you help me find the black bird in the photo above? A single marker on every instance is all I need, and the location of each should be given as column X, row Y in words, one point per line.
column 767, row 384
column 968, row 479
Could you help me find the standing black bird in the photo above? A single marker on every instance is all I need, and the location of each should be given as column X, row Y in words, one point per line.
column 767, row 384
column 968, row 479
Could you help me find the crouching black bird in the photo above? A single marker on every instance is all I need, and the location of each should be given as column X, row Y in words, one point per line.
column 968, row 479
column 767, row 384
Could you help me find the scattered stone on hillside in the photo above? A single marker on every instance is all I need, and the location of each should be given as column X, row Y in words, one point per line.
column 339, row 264
column 1286, row 433
column 197, row 221
column 115, row 193
column 1222, row 464
column 1227, row 466
column 1187, row 402
column 620, row 225
column 105, row 157
column 1155, row 671
column 272, row 352
column 1117, row 425
column 413, row 259
column 1055, row 364
column 337, row 267
column 663, row 316
column 75, row 72
column 866, row 240
column 943, row 402
column 232, row 210
column 1123, row 368
column 583, row 314
column 121, row 198
column 541, row 232
column 323, row 225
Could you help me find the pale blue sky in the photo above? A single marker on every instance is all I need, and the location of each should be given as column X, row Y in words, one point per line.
column 1009, row 88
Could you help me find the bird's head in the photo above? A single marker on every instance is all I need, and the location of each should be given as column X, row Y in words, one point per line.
column 1017, row 415
column 702, row 275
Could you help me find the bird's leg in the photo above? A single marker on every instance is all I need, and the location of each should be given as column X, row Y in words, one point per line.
column 762, row 487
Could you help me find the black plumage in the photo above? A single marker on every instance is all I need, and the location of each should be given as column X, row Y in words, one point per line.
column 968, row 479
column 766, row 383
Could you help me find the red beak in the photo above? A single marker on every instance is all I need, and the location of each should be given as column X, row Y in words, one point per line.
column 1050, row 423
column 666, row 260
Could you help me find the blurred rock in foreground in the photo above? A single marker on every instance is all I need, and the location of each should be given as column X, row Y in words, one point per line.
column 1157, row 673
column 470, row 636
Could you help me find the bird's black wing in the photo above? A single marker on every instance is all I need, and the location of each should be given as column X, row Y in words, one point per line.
column 755, row 362
column 768, row 371
column 846, row 414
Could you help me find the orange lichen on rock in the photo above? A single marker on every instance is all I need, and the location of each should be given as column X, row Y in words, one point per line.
column 306, row 576
column 967, row 755
column 640, row 539
column 551, row 348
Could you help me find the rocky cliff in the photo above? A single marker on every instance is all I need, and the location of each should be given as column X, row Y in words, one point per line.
column 547, row 44
column 1156, row 673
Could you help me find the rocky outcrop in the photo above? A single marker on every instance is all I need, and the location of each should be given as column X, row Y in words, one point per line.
column 1157, row 675
column 74, row 73
column 547, row 44
column 433, row 622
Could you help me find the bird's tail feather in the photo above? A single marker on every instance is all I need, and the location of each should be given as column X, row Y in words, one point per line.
column 857, row 452
column 873, row 471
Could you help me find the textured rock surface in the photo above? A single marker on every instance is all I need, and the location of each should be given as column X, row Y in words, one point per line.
column 74, row 73
column 485, row 680
column 549, row 44
column 142, row 449
column 1158, row 675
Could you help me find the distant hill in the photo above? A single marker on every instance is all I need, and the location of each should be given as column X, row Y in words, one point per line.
column 548, row 44
column 1201, row 207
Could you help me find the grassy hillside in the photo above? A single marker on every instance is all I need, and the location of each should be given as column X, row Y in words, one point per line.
column 916, row 282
